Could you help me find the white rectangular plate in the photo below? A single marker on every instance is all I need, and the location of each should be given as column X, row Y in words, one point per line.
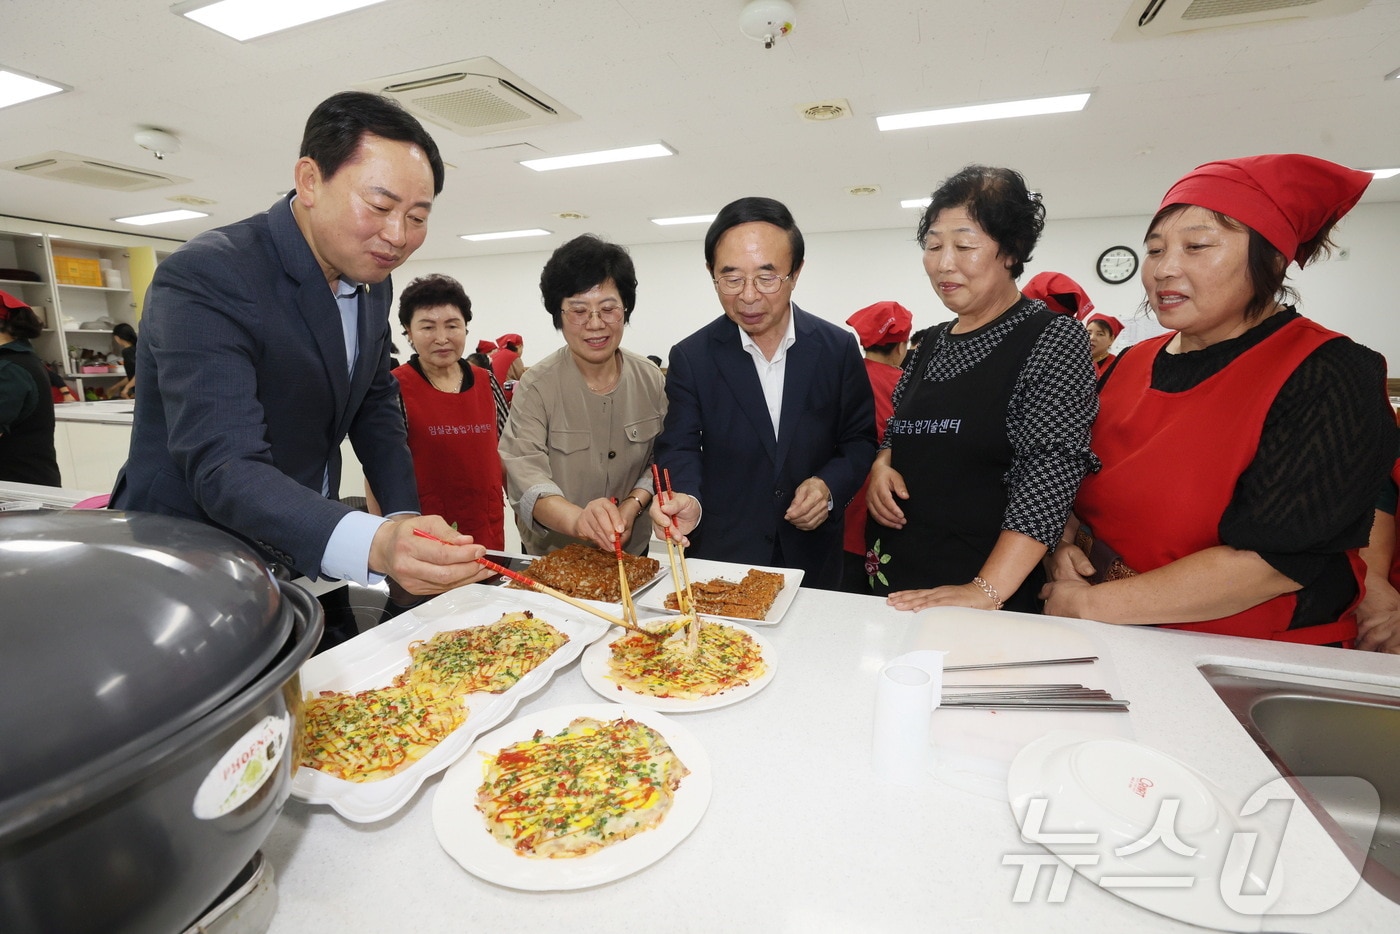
column 701, row 570
column 373, row 659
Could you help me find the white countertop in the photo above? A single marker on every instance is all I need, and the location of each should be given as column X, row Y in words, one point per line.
column 800, row 835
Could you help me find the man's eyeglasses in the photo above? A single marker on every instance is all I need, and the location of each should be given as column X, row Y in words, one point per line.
column 767, row 283
column 581, row 316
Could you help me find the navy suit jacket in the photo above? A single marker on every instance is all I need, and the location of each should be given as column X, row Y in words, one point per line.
column 245, row 398
column 718, row 443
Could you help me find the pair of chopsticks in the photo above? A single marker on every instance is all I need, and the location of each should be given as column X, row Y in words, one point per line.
column 629, row 609
column 1029, row 697
column 680, row 577
column 535, row 585
column 1034, row 663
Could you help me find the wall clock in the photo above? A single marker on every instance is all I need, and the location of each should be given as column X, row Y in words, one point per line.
column 1117, row 264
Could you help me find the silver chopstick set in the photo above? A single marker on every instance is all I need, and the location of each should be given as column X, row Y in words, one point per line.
column 1052, row 696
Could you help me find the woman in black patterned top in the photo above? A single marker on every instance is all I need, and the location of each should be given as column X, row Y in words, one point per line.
column 990, row 434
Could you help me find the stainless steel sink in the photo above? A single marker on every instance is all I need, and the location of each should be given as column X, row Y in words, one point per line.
column 1310, row 726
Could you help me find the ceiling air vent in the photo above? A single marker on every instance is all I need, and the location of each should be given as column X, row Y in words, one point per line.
column 1148, row 18
column 84, row 170
column 471, row 97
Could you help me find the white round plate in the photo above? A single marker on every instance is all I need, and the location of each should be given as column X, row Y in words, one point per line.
column 462, row 831
column 1114, row 795
column 594, row 665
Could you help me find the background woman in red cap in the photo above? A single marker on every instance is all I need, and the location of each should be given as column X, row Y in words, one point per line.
column 883, row 331
column 507, row 362
column 1103, row 331
column 1242, row 451
column 27, row 453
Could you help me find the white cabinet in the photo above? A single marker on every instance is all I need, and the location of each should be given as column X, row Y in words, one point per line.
column 78, row 318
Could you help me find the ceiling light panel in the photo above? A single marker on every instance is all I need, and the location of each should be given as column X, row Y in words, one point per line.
column 248, row 19
column 508, row 234
column 160, row 217
column 16, row 88
column 977, row 112
column 688, row 219
column 627, row 154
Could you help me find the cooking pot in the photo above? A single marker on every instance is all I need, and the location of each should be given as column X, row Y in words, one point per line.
column 151, row 708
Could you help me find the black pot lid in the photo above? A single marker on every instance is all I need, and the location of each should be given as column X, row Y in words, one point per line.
column 118, row 629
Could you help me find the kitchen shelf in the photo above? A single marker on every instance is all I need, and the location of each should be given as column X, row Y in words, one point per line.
column 117, row 375
column 19, row 282
column 87, row 331
column 87, row 288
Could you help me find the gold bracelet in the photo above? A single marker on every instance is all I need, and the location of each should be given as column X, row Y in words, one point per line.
column 990, row 591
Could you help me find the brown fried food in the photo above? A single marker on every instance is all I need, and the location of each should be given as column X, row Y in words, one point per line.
column 590, row 573
column 750, row 598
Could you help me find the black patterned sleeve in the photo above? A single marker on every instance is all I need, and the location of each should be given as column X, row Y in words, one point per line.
column 1327, row 445
column 886, row 438
column 1052, row 409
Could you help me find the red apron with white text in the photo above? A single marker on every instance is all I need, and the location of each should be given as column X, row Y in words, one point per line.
column 453, row 439
column 1171, row 462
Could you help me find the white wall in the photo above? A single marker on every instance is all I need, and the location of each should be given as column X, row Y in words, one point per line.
column 846, row 271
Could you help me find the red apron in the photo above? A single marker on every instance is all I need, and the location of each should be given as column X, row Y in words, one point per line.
column 501, row 361
column 1101, row 366
column 453, row 439
column 1171, row 462
column 883, row 378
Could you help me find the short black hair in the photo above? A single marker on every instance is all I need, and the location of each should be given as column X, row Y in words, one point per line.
column 336, row 126
column 654, row 359
column 1001, row 204
column 755, row 210
column 21, row 323
column 479, row 359
column 882, row 349
column 579, row 265
column 125, row 331
column 429, row 292
column 918, row 336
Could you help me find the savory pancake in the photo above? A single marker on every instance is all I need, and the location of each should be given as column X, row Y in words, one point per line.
column 725, row 657
column 588, row 786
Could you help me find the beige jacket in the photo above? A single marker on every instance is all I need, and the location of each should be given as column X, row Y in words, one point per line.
column 562, row 439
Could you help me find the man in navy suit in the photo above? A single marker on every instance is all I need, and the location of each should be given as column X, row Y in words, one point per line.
column 770, row 422
column 265, row 343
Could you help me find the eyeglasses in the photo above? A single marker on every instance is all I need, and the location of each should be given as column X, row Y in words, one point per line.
column 610, row 314
column 767, row 283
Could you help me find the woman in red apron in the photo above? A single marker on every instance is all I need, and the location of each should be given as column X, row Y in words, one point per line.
column 1103, row 331
column 989, row 438
column 1242, row 451
column 454, row 413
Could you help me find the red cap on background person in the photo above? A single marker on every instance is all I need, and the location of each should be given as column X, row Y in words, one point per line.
column 1115, row 327
column 8, row 302
column 1286, row 197
column 513, row 340
column 882, row 323
column 484, row 346
column 1060, row 293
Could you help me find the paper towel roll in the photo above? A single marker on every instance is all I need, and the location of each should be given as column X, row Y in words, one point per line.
column 904, row 701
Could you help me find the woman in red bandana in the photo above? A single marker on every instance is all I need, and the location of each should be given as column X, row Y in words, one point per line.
column 1103, row 331
column 1243, row 450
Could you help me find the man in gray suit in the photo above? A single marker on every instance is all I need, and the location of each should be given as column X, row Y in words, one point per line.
column 265, row 343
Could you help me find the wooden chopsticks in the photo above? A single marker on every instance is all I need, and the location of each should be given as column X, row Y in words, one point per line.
column 680, row 576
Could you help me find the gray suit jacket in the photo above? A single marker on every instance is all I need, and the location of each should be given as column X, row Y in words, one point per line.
column 244, row 396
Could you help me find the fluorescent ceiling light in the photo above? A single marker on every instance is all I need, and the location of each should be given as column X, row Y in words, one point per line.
column 650, row 151
column 1383, row 173
column 508, row 234
column 976, row 112
column 16, row 88
column 160, row 217
column 248, row 19
column 916, row 202
column 688, row 219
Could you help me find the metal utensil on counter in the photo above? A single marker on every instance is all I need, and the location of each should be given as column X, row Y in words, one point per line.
column 1034, row 663
column 1030, row 697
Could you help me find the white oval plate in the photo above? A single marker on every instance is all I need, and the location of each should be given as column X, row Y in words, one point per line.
column 594, row 666
column 462, row 830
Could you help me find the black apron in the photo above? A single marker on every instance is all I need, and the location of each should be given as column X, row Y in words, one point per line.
column 27, row 452
column 949, row 442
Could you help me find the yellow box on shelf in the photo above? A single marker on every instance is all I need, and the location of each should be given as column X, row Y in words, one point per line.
column 74, row 270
